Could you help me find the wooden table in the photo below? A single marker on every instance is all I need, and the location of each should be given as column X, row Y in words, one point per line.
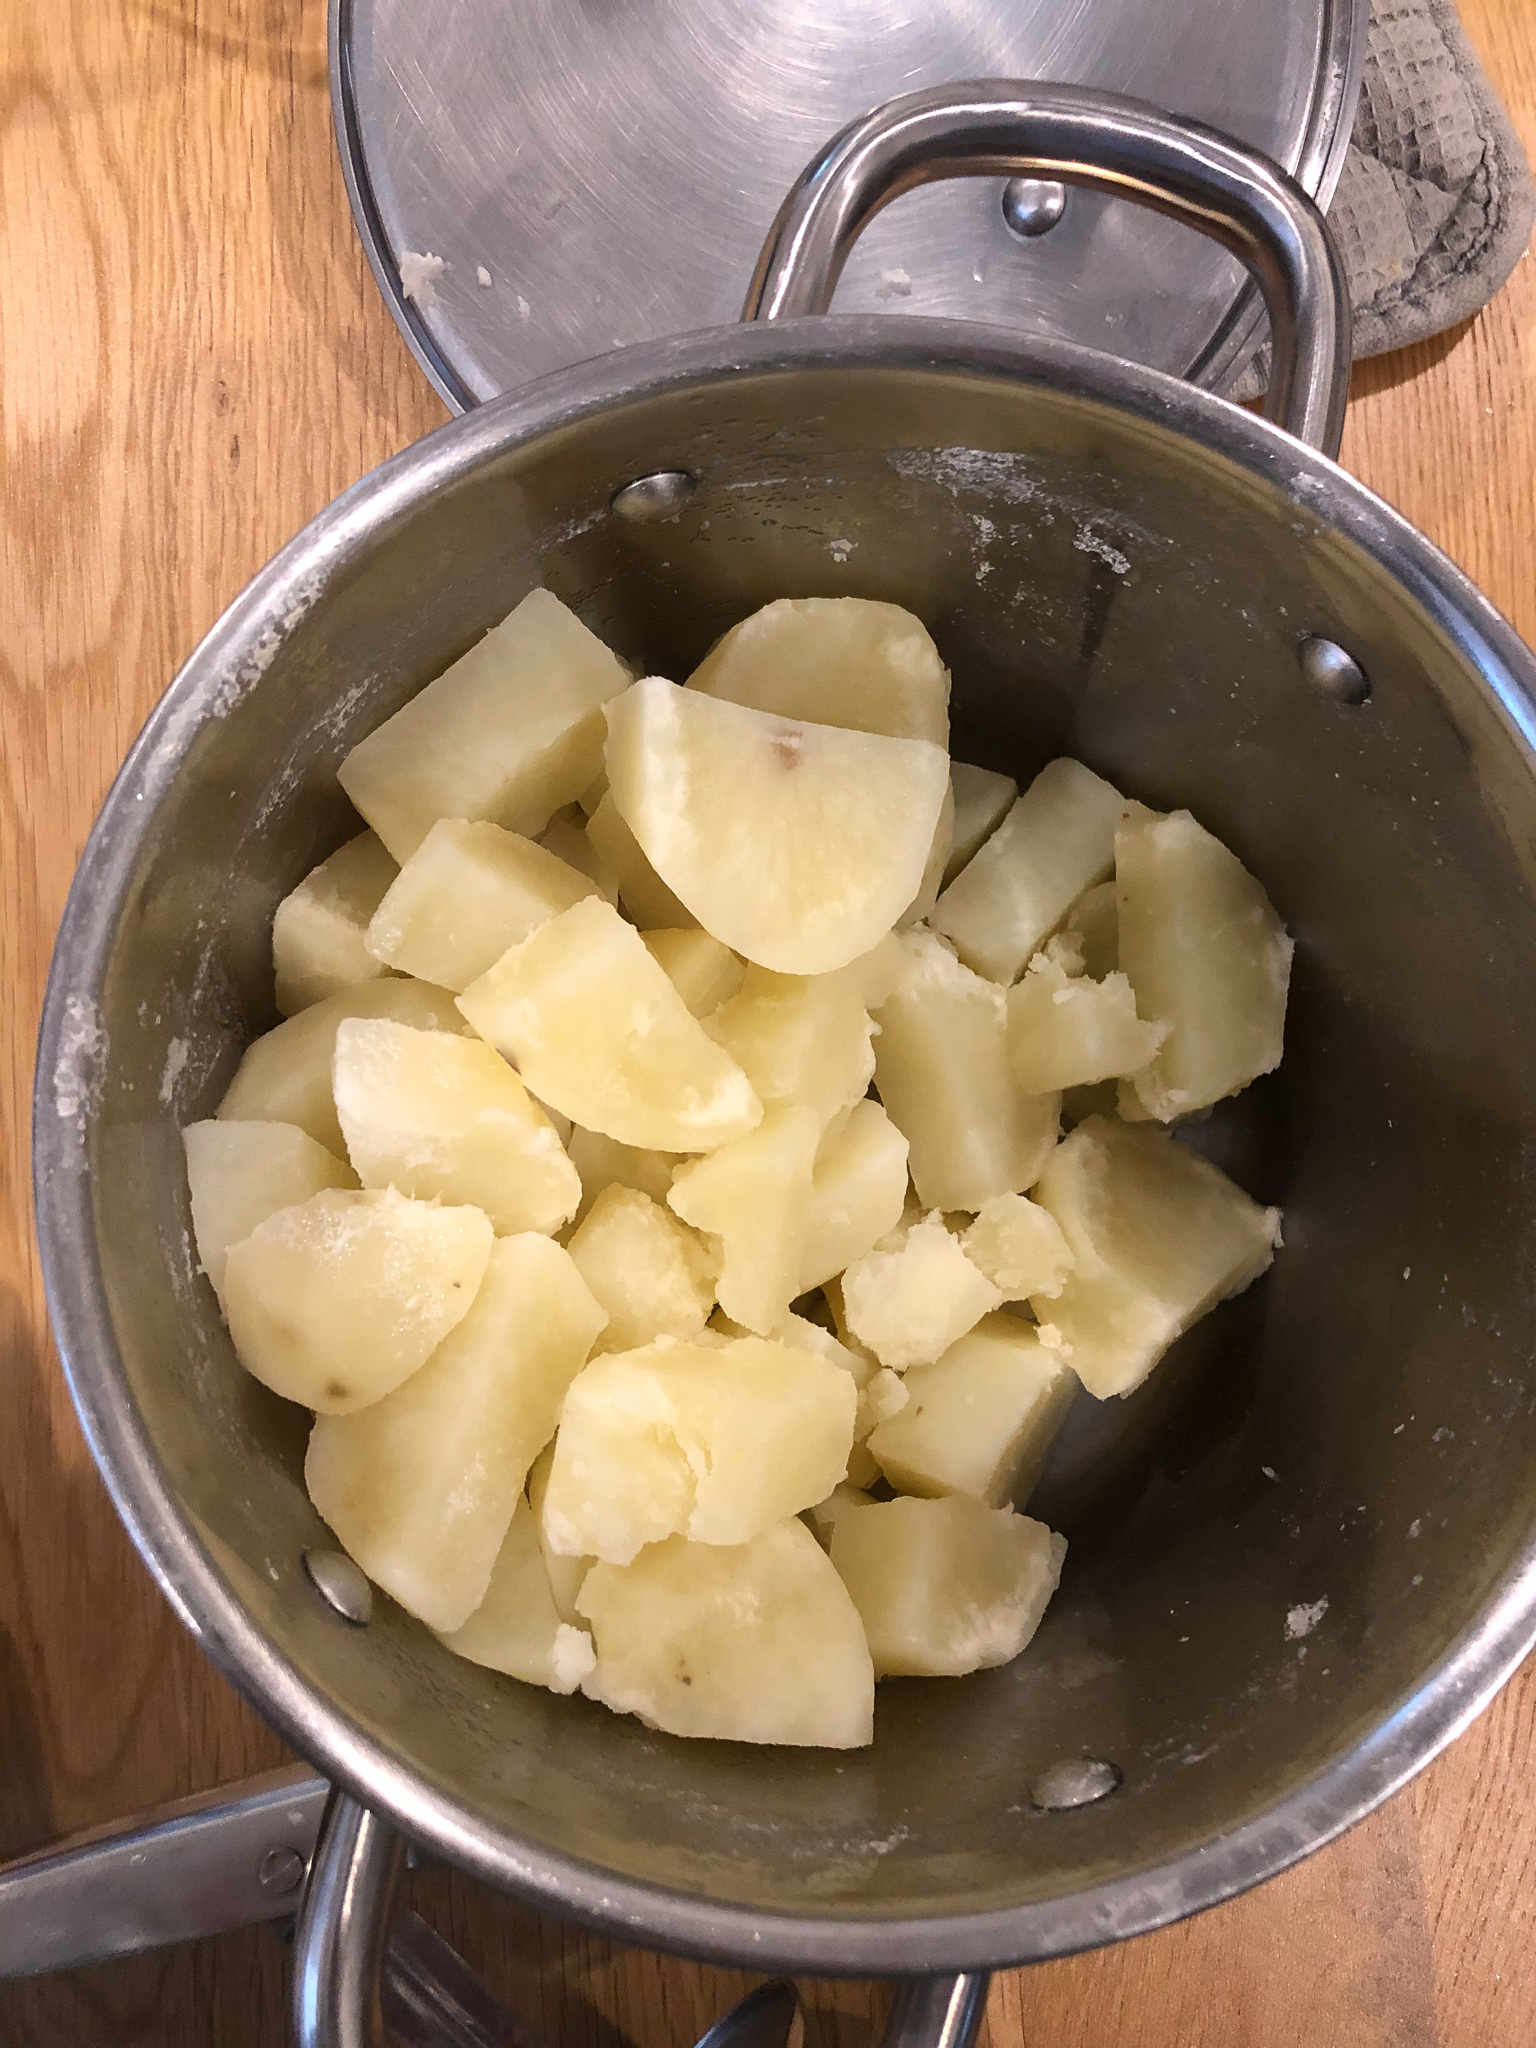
column 193, row 360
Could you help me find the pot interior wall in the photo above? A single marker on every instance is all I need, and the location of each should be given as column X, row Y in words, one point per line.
column 1358, row 1430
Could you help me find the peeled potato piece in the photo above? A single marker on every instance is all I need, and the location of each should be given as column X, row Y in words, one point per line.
column 945, row 1586
column 846, row 661
column 240, row 1174
column 1094, row 922
column 824, row 1516
column 564, row 1574
column 754, row 1195
column 704, row 973
column 651, row 1273
column 605, row 1163
column 858, row 1191
column 565, row 836
column 755, row 1642
column 799, row 1039
column 335, row 1302
column 983, row 799
column 796, row 845
column 1020, row 1248
column 933, row 870
column 598, row 1031
column 1065, row 1031
column 1158, row 1235
column 517, row 1628
column 513, row 730
column 910, row 1304
column 445, row 1118
column 420, row 1486
column 319, row 931
column 641, row 890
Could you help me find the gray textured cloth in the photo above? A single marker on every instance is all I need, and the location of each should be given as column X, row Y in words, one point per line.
column 1434, row 207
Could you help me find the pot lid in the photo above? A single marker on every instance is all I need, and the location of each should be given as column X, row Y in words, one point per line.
column 591, row 173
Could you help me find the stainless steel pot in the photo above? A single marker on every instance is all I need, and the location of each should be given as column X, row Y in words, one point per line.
column 1302, row 1556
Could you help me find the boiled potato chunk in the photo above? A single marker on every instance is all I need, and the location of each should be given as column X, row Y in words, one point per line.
column 338, row 1300
column 945, row 1586
column 597, row 1030
column 714, row 1443
column 910, row 1304
column 1094, row 922
column 285, row 1076
column 1158, row 1235
column 468, row 892
column 1020, row 1248
column 823, row 1517
column 858, row 1191
column 751, row 1642
column 652, row 1274
column 983, row 798
column 980, row 1419
column 605, row 1163
column 1065, row 1031
column 846, row 661
column 513, row 730
column 320, row 929
column 442, row 1117
column 240, row 1174
column 641, row 890
column 565, row 1574
column 1204, row 950
column 754, row 1195
column 943, row 1072
column 517, row 1627
column 798, row 846
column 799, row 1039
column 704, row 973
column 565, row 836
column 420, row 1486
column 933, row 871
column 1058, row 839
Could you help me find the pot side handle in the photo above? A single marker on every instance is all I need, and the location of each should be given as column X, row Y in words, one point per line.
column 1001, row 128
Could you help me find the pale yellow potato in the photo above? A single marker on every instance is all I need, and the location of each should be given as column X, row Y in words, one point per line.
column 858, row 1191
column 605, row 1163
column 1094, row 921
column 641, row 890
column 653, row 1275
column 1057, row 841
column 240, row 1174
column 983, row 798
column 470, row 890
column 566, row 838
column 513, row 730
column 1158, row 1235
column 1205, row 951
column 593, row 794
column 597, row 1030
column 754, row 1642
column 796, row 845
column 799, row 1039
column 564, row 1574
column 933, row 870
column 754, row 1195
column 445, row 1118
column 420, row 1486
column 800, row 1334
column 980, row 1419
column 320, row 929
column 517, row 1627
column 823, row 1517
column 285, row 1075
column 911, row 1304
column 846, row 661
column 945, row 1586
column 1065, row 1031
column 1020, row 1248
column 704, row 973
column 714, row 1443
column 337, row 1300
column 883, row 1395
column 945, row 1078
column 875, row 973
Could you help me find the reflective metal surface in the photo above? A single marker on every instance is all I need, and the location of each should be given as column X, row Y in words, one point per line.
column 938, row 2012
column 613, row 170
column 343, row 1930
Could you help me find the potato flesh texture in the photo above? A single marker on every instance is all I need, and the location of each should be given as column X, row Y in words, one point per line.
column 1065, row 1031
column 980, row 1419
column 445, row 1118
column 420, row 1486
column 824, row 1516
column 756, row 1642
column 1204, row 950
column 948, row 1586
column 564, row 1574
column 1057, row 841
column 843, row 661
column 470, row 890
column 911, row 1304
column 568, row 842
column 704, row 973
column 944, row 1076
column 858, row 1191
column 754, row 1195
column 338, row 1300
column 517, row 1627
column 642, row 892
column 285, row 1075
column 1020, row 1248
column 933, row 869
column 1158, row 1235
column 598, row 1031
column 802, row 1040
column 510, row 732
column 694, row 1440
column 605, row 1163
column 796, row 845
column 319, row 931
column 240, row 1174
column 653, row 1276
column 1094, row 919
column 983, row 798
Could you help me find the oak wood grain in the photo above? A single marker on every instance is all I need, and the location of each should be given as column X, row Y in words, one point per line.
column 193, row 360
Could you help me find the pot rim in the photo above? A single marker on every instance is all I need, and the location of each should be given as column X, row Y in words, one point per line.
column 71, row 1060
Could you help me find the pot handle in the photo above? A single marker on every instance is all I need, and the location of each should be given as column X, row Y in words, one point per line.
column 1007, row 128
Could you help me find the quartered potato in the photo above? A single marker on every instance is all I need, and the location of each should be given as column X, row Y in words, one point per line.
column 1019, row 1246
column 858, row 1191
column 911, row 1303
column 319, row 931
column 517, row 1628
column 754, row 1196
column 704, row 973
column 1065, row 1031
column 983, row 799
column 654, row 1276
column 240, row 1174
column 605, row 1163
column 644, row 895
column 799, row 1039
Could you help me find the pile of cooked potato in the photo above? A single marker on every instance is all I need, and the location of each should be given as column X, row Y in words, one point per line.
column 657, row 1188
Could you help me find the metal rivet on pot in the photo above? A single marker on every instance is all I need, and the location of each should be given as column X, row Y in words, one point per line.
column 1033, row 206
column 659, row 496
column 1075, row 1781
column 281, row 1870
column 340, row 1585
column 1331, row 672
